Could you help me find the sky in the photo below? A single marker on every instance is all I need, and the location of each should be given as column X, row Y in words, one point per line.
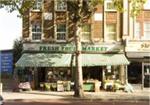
column 10, row 29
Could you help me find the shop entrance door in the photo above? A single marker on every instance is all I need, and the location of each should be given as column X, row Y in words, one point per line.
column 146, row 75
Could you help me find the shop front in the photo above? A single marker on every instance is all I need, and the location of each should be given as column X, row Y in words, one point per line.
column 54, row 66
column 138, row 52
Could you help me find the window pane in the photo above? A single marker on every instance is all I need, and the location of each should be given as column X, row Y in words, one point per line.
column 147, row 30
column 61, row 32
column 111, row 28
column 36, row 31
column 61, row 36
column 60, row 5
column 147, row 4
column 86, row 32
column 137, row 30
column 110, row 32
column 86, row 28
column 110, row 5
column 36, row 36
column 37, row 5
column 61, row 28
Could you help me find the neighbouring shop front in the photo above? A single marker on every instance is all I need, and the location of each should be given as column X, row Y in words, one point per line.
column 138, row 53
column 53, row 66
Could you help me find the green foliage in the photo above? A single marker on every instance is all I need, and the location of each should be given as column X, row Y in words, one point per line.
column 81, row 9
column 137, row 6
column 20, row 5
column 118, row 5
column 17, row 49
column 78, row 8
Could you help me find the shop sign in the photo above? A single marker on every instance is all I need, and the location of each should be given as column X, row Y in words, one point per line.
column 6, row 62
column 67, row 48
column 138, row 46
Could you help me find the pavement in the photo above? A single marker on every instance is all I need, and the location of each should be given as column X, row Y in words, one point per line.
column 137, row 95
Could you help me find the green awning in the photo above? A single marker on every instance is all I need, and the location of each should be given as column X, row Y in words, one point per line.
column 103, row 59
column 44, row 60
column 64, row 60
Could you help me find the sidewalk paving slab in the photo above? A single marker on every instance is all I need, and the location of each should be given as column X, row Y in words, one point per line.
column 101, row 96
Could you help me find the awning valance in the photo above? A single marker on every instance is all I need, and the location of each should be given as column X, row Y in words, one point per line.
column 44, row 60
column 103, row 59
column 64, row 60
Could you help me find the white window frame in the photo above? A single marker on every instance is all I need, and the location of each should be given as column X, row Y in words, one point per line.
column 83, row 33
column 37, row 31
column 106, row 5
column 62, row 6
column 61, row 32
column 38, row 5
column 146, row 30
column 107, row 33
column 137, row 30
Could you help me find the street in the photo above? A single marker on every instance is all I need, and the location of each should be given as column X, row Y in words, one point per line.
column 73, row 102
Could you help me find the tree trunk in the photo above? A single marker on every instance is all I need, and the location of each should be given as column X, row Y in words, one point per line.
column 79, row 77
column 122, row 74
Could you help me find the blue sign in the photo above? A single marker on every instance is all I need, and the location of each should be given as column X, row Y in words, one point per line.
column 6, row 62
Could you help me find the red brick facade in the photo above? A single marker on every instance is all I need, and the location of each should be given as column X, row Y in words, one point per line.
column 48, row 26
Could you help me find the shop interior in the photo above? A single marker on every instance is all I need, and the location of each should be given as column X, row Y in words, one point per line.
column 62, row 79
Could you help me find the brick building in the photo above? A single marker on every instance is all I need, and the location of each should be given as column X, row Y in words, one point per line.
column 49, row 46
column 138, row 47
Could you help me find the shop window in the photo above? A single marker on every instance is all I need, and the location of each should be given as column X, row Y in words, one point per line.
column 109, row 6
column 61, row 5
column 86, row 32
column 137, row 30
column 146, row 75
column 36, row 32
column 146, row 31
column 146, row 69
column 61, row 32
column 37, row 5
column 110, row 32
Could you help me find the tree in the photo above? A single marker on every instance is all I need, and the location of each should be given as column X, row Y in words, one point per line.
column 136, row 6
column 22, row 5
column 79, row 11
column 16, row 5
column 17, row 49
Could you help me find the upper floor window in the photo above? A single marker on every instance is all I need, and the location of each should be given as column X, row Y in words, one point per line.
column 37, row 5
column 110, row 32
column 61, row 32
column 61, row 5
column 137, row 30
column 147, row 4
column 109, row 6
column 36, row 32
column 147, row 30
column 86, row 32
